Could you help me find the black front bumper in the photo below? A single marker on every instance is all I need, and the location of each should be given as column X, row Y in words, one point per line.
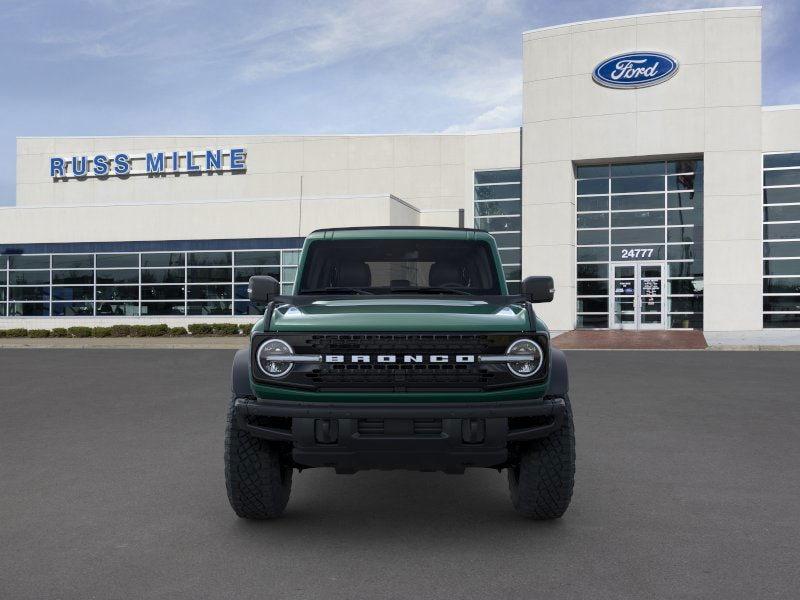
column 429, row 437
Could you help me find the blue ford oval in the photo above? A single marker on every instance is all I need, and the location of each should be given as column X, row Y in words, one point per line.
column 635, row 70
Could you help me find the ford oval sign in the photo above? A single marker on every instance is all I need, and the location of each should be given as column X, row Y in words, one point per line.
column 635, row 70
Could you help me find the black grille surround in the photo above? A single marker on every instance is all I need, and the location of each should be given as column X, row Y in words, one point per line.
column 399, row 376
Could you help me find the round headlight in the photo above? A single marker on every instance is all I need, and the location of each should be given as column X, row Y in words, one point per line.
column 527, row 366
column 265, row 358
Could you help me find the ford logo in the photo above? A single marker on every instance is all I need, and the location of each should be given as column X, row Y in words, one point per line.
column 635, row 70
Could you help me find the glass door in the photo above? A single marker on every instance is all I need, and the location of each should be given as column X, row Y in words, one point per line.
column 637, row 295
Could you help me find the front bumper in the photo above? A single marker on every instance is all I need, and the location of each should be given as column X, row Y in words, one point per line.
column 429, row 437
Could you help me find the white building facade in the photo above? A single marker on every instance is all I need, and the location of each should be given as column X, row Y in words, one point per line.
column 667, row 197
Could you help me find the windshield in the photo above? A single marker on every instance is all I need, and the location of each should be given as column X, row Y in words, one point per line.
column 375, row 266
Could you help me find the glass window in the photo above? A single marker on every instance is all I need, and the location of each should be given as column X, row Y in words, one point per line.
column 163, row 259
column 785, row 320
column 685, row 286
column 244, row 274
column 493, row 192
column 592, row 236
column 117, row 275
column 162, row 292
column 681, row 304
column 502, row 207
column 592, row 288
column 592, row 203
column 75, row 292
column 593, row 321
column 499, row 223
column 73, row 261
column 681, row 269
column 162, row 308
column 782, row 249
column 636, row 184
column 163, row 276
column 595, row 305
column 680, row 251
column 637, row 219
column 788, row 177
column 680, row 234
column 29, row 277
column 209, row 308
column 29, row 293
column 117, row 309
column 209, row 259
column 592, row 271
column 782, row 267
column 114, row 261
column 684, row 217
column 3, row 262
column 512, row 273
column 649, row 168
column 28, row 309
column 74, row 277
column 694, row 321
column 587, row 171
column 507, row 240
column 291, row 257
column 782, row 195
column 257, row 257
column 684, row 166
column 780, row 231
column 790, row 159
column 637, row 202
column 782, row 303
column 209, row 275
column 593, row 220
column 501, row 176
column 73, row 309
column 29, row 261
column 782, row 285
column 681, row 182
column 782, row 213
column 511, row 257
column 685, row 200
column 118, row 292
column 637, row 236
column 592, row 186
column 209, row 292
column 592, row 254
column 289, row 275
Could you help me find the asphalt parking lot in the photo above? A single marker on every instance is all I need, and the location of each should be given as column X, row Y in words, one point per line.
column 111, row 486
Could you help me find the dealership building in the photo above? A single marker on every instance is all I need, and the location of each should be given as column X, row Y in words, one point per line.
column 646, row 177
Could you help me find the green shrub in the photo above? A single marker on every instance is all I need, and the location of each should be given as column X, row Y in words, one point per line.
column 201, row 329
column 246, row 328
column 80, row 332
column 177, row 331
column 16, row 332
column 138, row 331
column 225, row 329
column 101, row 332
column 2, row 333
column 120, row 330
column 38, row 333
column 157, row 330
column 59, row 332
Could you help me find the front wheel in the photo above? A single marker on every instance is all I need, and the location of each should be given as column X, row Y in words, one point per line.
column 541, row 482
column 258, row 482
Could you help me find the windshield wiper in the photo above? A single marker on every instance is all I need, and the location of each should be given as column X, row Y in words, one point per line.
column 429, row 290
column 337, row 290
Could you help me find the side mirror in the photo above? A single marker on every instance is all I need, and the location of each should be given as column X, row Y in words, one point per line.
column 538, row 288
column 262, row 288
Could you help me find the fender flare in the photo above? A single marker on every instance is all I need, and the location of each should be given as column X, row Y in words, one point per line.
column 240, row 374
column 559, row 374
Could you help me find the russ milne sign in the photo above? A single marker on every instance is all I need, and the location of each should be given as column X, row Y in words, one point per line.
column 635, row 70
column 152, row 163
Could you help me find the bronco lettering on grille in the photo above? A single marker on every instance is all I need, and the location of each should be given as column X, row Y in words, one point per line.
column 394, row 358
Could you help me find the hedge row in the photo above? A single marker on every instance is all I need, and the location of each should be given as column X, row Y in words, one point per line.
column 161, row 330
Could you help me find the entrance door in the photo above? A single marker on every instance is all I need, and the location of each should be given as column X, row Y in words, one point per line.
column 637, row 300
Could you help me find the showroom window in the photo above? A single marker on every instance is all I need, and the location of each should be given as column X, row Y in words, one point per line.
column 120, row 284
column 781, row 280
column 640, row 245
column 498, row 210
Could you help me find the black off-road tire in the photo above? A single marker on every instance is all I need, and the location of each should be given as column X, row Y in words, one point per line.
column 258, row 483
column 541, row 483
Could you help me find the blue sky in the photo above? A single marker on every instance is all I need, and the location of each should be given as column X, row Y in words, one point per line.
column 153, row 67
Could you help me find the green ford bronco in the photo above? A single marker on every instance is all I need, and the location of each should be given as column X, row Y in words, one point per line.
column 400, row 348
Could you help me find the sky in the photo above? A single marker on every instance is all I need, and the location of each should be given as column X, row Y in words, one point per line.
column 170, row 67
